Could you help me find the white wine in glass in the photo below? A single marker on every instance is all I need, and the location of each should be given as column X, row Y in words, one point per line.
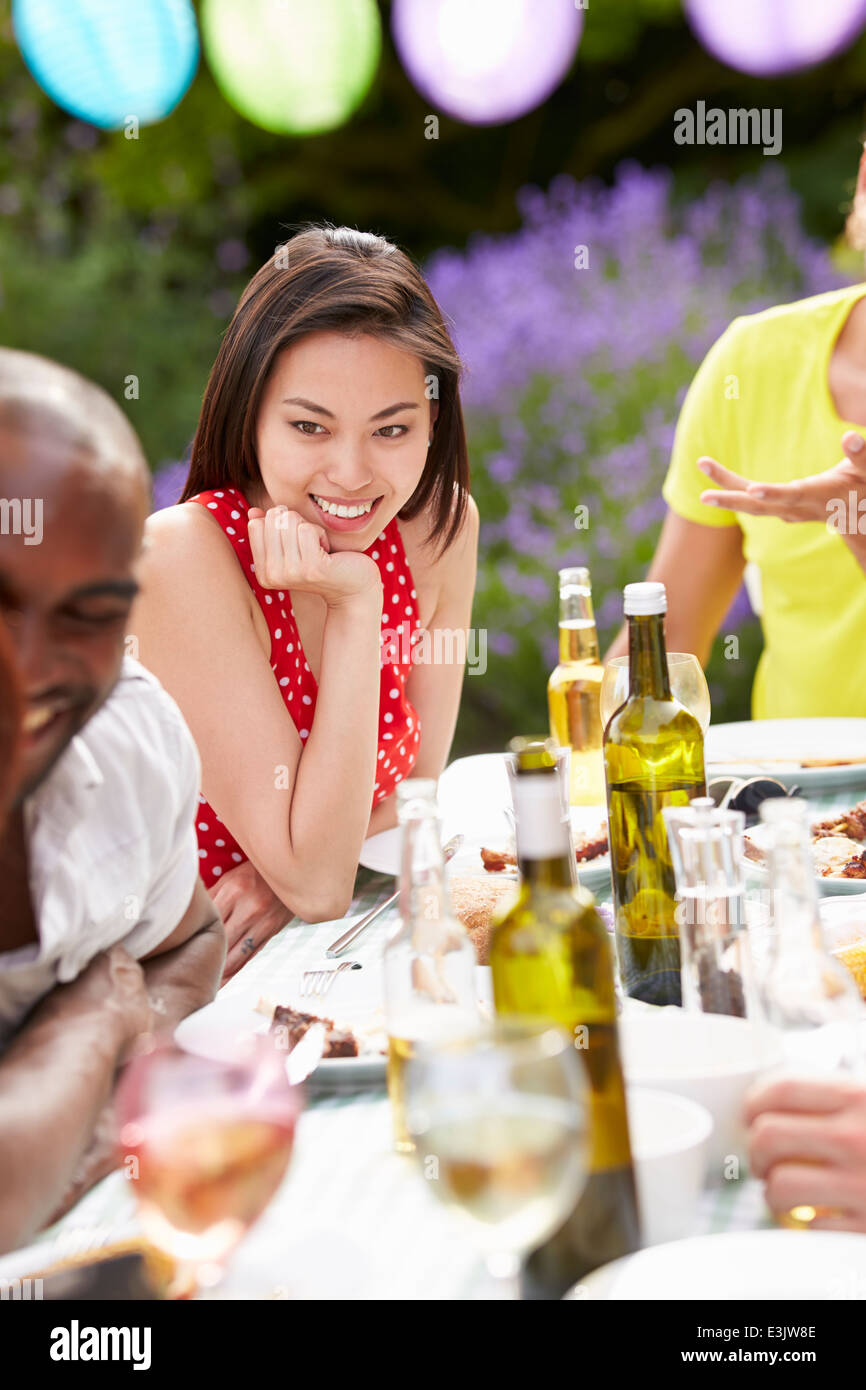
column 688, row 685
column 499, row 1125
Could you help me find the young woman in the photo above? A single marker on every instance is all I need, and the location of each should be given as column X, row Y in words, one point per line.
column 326, row 520
column 777, row 400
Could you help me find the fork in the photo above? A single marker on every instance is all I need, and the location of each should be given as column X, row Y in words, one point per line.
column 320, row 981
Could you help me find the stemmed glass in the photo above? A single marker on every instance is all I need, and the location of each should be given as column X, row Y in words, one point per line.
column 688, row 685
column 500, row 1131
column 206, row 1144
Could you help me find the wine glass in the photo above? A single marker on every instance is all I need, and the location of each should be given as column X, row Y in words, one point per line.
column 500, row 1131
column 688, row 685
column 207, row 1144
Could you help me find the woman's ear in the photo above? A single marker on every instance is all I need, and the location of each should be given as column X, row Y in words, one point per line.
column 434, row 406
column 861, row 175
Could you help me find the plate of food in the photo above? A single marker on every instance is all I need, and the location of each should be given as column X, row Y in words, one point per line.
column 838, row 849
column 356, row 1039
column 844, row 922
column 810, row 752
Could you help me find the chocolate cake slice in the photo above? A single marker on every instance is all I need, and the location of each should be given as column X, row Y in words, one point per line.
column 338, row 1043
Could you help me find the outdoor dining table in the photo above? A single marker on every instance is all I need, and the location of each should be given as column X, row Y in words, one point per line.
column 353, row 1219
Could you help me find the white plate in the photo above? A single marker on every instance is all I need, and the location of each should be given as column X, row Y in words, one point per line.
column 220, row 1027
column 775, row 747
column 474, row 797
column 759, row 873
column 737, row 1265
column 844, row 921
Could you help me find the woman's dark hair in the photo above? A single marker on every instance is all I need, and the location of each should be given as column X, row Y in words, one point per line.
column 332, row 279
column 10, row 722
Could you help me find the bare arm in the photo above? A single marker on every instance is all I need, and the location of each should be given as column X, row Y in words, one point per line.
column 701, row 568
column 180, row 976
column 833, row 497
column 55, row 1079
column 298, row 809
column 434, row 687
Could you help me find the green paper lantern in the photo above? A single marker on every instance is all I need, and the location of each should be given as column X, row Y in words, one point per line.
column 292, row 66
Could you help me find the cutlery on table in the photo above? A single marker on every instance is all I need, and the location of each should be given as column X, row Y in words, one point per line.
column 320, row 981
column 337, row 947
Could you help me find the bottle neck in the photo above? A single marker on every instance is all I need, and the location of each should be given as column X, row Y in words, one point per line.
column 423, row 889
column 796, row 914
column 544, row 852
column 647, row 658
column 578, row 637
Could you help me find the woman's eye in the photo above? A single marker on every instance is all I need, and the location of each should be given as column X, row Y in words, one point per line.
column 398, row 430
column 308, row 426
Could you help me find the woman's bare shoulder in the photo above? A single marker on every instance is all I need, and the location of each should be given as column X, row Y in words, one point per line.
column 185, row 544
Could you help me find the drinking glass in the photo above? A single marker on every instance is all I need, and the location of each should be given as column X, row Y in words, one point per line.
column 688, row 685
column 206, row 1144
column 706, row 848
column 500, row 1130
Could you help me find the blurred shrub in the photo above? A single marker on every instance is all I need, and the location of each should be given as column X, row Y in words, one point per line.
column 574, row 381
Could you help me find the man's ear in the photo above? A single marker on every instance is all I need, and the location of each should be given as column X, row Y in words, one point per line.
column 861, row 176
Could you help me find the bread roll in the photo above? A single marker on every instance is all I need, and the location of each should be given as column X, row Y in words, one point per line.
column 474, row 900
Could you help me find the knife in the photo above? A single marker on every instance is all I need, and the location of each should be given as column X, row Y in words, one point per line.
column 337, row 947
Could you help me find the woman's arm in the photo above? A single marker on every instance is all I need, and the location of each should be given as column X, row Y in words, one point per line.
column 701, row 568
column 434, row 685
column 832, row 497
column 298, row 809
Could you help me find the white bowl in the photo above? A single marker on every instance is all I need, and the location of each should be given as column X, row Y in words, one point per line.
column 828, row 1265
column 670, row 1139
column 713, row 1059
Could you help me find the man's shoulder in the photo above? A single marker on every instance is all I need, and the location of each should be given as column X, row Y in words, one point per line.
column 141, row 724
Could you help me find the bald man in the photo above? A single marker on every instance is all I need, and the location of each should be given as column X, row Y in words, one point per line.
column 105, row 927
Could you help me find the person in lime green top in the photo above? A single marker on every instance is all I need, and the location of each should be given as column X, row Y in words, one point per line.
column 763, row 421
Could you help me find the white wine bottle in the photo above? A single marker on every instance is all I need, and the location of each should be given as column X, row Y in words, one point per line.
column 654, row 757
column 574, row 689
column 429, row 960
column 551, row 959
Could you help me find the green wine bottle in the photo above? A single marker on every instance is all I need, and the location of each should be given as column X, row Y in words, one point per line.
column 654, row 757
column 550, row 958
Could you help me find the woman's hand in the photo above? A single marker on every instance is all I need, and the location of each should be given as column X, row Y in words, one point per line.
column 291, row 553
column 251, row 912
column 807, row 1140
column 816, row 498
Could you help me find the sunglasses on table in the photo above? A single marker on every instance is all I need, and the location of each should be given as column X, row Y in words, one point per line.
column 746, row 794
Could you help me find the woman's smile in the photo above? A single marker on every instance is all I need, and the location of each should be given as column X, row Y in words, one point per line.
column 345, row 514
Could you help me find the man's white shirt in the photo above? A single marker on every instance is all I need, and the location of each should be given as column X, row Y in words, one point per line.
column 111, row 842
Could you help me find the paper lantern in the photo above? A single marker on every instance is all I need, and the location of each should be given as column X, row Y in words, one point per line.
column 105, row 62
column 769, row 37
column 293, row 66
column 486, row 61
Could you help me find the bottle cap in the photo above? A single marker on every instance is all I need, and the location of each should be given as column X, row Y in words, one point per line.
column 643, row 600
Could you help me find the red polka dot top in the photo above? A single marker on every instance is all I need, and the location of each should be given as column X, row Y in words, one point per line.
column 399, row 728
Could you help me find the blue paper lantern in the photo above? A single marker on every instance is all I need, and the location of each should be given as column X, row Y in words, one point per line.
column 105, row 62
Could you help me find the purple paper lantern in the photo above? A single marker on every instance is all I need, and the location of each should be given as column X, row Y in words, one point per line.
column 769, row 37
column 486, row 61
